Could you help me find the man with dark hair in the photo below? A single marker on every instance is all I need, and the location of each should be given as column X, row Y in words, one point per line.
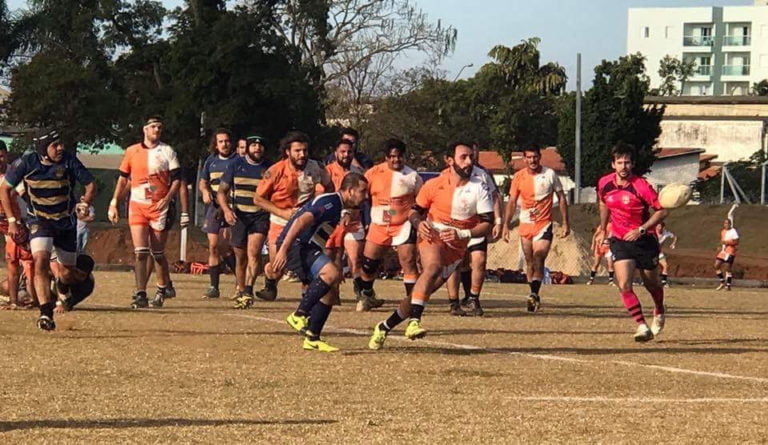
column 242, row 147
column 449, row 211
column 49, row 175
column 284, row 188
column 249, row 222
column 302, row 245
column 215, row 227
column 393, row 187
column 151, row 169
column 535, row 186
column 359, row 159
column 632, row 207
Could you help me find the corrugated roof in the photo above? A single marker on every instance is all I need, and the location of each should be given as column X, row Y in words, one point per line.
column 673, row 152
column 549, row 158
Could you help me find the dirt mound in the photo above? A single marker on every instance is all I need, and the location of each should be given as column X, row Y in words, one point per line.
column 112, row 245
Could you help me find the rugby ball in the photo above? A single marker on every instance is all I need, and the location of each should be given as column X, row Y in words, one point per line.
column 675, row 195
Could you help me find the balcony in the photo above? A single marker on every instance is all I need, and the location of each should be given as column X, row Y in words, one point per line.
column 737, row 40
column 703, row 70
column 735, row 70
column 698, row 41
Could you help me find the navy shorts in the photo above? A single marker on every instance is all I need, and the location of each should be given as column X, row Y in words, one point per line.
column 482, row 247
column 55, row 237
column 248, row 224
column 644, row 250
column 306, row 261
column 214, row 220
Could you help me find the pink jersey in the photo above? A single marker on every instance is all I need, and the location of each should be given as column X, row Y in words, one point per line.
column 630, row 205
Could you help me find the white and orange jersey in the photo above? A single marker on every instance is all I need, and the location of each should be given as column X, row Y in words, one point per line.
column 149, row 170
column 289, row 188
column 726, row 236
column 392, row 193
column 454, row 205
column 535, row 193
column 337, row 173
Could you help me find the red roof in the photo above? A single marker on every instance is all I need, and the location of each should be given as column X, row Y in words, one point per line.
column 709, row 173
column 673, row 152
column 549, row 158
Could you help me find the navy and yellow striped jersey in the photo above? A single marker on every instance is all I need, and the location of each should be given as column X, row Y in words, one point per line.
column 326, row 210
column 243, row 178
column 213, row 168
column 49, row 188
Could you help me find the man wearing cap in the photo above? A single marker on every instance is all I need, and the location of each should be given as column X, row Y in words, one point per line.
column 153, row 171
column 249, row 222
column 49, row 175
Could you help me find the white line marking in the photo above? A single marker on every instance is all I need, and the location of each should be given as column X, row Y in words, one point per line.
column 671, row 369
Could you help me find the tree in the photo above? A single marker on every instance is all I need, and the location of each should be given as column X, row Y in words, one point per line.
column 672, row 70
column 612, row 111
column 760, row 88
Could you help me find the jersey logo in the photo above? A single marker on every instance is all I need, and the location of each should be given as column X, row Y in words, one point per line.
column 59, row 172
column 625, row 200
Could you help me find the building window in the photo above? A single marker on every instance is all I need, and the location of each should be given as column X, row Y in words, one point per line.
column 646, row 32
column 704, row 90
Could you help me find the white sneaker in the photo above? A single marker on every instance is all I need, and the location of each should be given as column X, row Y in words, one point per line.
column 721, row 286
column 643, row 333
column 658, row 324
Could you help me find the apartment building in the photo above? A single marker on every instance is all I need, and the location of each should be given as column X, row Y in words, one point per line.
column 729, row 45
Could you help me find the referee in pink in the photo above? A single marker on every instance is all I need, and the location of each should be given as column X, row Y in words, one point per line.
column 630, row 203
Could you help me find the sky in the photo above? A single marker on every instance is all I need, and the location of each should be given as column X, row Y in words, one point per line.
column 594, row 28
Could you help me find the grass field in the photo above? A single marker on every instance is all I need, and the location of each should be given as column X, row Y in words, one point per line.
column 198, row 371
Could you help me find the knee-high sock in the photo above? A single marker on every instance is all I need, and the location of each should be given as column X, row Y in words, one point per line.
column 632, row 303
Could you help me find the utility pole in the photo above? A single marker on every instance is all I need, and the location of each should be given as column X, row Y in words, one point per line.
column 577, row 166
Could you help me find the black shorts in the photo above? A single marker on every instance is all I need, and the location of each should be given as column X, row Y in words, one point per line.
column 644, row 251
column 171, row 216
column 728, row 259
column 306, row 260
column 248, row 224
column 482, row 247
column 214, row 220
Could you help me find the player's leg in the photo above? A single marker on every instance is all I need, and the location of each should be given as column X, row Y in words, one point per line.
column 432, row 260
column 478, row 257
column 652, row 282
column 369, row 268
column 664, row 273
column 269, row 292
column 611, row 272
column 157, row 241
column 624, row 266
column 239, row 243
column 720, row 273
column 452, row 285
column 255, row 245
column 595, row 265
column 727, row 267
column 407, row 255
column 143, row 262
column 41, row 254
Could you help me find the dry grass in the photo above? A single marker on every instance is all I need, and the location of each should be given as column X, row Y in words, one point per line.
column 198, row 371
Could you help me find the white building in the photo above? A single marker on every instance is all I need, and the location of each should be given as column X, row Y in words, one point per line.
column 729, row 45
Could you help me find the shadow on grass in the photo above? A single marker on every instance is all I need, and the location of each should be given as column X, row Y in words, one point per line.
column 12, row 425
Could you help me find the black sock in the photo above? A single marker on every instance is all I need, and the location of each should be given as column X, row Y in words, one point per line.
column 320, row 313
column 664, row 278
column 314, row 292
column 728, row 280
column 141, row 293
column 213, row 271
column 610, row 275
column 270, row 284
column 248, row 290
column 466, row 281
column 416, row 311
column 231, row 262
column 47, row 309
column 720, row 276
column 473, row 296
column 535, row 286
column 393, row 320
column 363, row 284
column 408, row 288
column 455, row 304
column 592, row 274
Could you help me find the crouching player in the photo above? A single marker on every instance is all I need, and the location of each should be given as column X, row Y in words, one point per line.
column 78, row 291
column 302, row 245
column 49, row 175
column 458, row 206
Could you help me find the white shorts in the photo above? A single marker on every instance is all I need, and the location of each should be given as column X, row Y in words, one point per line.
column 45, row 244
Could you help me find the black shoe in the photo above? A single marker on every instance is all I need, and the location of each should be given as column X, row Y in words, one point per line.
column 534, row 303
column 465, row 301
column 45, row 323
column 475, row 308
column 211, row 293
column 140, row 300
column 456, row 310
column 159, row 298
column 267, row 294
column 369, row 295
column 170, row 291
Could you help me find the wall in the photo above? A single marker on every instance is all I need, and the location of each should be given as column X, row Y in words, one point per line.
column 729, row 140
column 683, row 169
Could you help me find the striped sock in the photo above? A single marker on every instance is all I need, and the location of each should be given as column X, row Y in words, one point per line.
column 632, row 304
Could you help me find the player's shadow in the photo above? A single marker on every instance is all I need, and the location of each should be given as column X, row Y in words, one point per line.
column 12, row 425
column 177, row 333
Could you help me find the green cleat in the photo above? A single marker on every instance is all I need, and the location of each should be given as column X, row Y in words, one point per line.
column 414, row 330
column 297, row 322
column 318, row 345
column 377, row 339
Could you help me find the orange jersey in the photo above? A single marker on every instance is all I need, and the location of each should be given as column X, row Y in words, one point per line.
column 535, row 192
column 288, row 188
column 337, row 173
column 392, row 193
column 149, row 170
column 728, row 235
column 14, row 206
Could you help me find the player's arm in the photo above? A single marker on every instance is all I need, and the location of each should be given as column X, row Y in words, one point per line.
column 222, row 198
column 205, row 191
column 121, row 188
column 173, row 190
column 604, row 216
column 5, row 197
column 498, row 216
column 563, row 206
column 270, row 207
column 509, row 212
column 302, row 222
column 657, row 217
column 326, row 181
column 673, row 244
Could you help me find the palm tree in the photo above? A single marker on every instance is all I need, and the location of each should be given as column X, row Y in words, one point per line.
column 519, row 68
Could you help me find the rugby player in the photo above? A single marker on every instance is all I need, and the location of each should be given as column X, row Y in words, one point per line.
column 535, row 186
column 153, row 171
column 601, row 248
column 49, row 175
column 393, row 187
column 302, row 244
column 449, row 211
column 215, row 227
column 663, row 234
column 630, row 204
column 729, row 240
column 284, row 188
column 249, row 222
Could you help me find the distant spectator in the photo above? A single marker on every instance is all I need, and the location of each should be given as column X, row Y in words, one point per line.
column 84, row 216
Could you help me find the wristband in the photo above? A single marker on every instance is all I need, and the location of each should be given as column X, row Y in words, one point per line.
column 12, row 220
column 113, row 203
column 642, row 230
column 464, row 233
column 497, row 221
